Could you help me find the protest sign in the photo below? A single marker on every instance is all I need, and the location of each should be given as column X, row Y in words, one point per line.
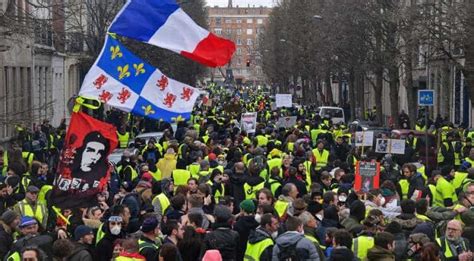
column 367, row 176
column 283, row 100
column 364, row 138
column 248, row 122
column 286, row 122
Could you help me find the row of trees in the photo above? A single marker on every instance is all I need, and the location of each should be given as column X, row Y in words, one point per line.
column 370, row 42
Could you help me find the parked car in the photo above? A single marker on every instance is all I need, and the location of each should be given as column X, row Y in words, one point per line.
column 146, row 137
column 336, row 113
column 117, row 154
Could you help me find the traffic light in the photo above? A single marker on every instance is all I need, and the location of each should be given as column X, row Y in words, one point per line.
column 248, row 62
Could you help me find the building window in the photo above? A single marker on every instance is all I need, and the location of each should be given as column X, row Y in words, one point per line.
column 249, row 20
column 228, row 21
column 239, row 42
column 259, row 21
column 218, row 31
column 249, row 31
column 228, row 31
column 239, row 21
column 249, row 42
column 239, row 61
column 239, row 51
column 239, row 31
column 218, row 21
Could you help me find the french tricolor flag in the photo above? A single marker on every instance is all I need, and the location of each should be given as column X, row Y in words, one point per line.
column 163, row 23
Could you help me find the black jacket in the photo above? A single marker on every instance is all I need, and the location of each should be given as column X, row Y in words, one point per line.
column 6, row 239
column 237, row 182
column 105, row 247
column 224, row 239
column 149, row 253
column 244, row 226
column 416, row 183
column 258, row 235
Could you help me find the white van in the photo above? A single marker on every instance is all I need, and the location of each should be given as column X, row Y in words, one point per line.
column 336, row 113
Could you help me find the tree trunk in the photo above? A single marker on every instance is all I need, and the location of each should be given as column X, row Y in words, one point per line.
column 394, row 86
column 410, row 88
column 378, row 87
column 330, row 100
column 352, row 96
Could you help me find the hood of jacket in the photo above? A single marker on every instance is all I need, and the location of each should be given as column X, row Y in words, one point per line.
column 258, row 235
column 247, row 221
column 289, row 238
column 380, row 254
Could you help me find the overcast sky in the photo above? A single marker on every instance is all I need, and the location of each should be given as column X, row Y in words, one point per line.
column 240, row 2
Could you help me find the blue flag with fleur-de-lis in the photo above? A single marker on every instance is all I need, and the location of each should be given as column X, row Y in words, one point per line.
column 122, row 80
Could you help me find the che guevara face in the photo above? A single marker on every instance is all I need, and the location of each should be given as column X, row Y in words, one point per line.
column 91, row 155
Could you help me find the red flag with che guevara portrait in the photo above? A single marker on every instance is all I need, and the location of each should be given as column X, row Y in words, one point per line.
column 83, row 168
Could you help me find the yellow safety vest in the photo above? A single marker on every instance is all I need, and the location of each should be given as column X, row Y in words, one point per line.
column 38, row 212
column 164, row 202
column 100, row 234
column 134, row 174
column 274, row 185
column 281, row 207
column 14, row 257
column 126, row 258
column 444, row 190
column 446, row 249
column 194, row 169
column 28, row 157
column 123, row 139
column 251, row 191
column 315, row 241
column 321, row 158
column 142, row 244
column 262, row 141
column 156, row 175
column 254, row 251
column 275, row 162
column 423, row 217
column 470, row 161
column 42, row 194
column 458, row 179
column 5, row 163
column 180, row 177
column 361, row 246
column 404, row 185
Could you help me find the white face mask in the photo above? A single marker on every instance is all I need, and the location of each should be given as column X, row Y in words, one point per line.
column 382, row 201
column 275, row 234
column 115, row 230
column 319, row 217
column 258, row 217
column 342, row 198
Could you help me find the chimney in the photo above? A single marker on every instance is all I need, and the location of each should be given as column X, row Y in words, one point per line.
column 230, row 4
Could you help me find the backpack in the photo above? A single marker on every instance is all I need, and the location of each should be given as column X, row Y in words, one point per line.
column 291, row 253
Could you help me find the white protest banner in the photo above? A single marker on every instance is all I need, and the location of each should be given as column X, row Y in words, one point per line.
column 286, row 122
column 284, row 100
column 364, row 138
column 249, row 122
column 397, row 146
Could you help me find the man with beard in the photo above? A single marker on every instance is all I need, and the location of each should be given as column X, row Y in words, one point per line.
column 453, row 246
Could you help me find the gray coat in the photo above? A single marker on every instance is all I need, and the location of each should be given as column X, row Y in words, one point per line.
column 304, row 245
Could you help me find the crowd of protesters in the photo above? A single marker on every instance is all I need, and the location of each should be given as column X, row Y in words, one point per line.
column 211, row 191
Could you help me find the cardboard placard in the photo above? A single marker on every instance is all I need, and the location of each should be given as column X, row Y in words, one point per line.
column 393, row 146
column 367, row 176
column 248, row 122
column 284, row 100
column 364, row 138
column 286, row 122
